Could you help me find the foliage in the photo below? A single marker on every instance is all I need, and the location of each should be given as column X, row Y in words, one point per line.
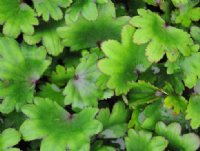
column 99, row 75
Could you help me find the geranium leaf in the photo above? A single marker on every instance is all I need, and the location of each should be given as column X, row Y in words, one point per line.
column 172, row 132
column 143, row 141
column 82, row 90
column 123, row 62
column 162, row 38
column 193, row 111
column 59, row 128
column 186, row 12
column 142, row 92
column 114, row 124
column 88, row 9
column 46, row 32
column 93, row 32
column 50, row 8
column 9, row 138
column 17, row 17
column 21, row 67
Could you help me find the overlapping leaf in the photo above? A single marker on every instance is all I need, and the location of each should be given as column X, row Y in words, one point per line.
column 46, row 32
column 84, row 34
column 87, row 8
column 50, row 8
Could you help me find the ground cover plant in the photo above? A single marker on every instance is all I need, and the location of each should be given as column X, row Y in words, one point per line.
column 99, row 75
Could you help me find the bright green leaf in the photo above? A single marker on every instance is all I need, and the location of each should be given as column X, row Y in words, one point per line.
column 123, row 62
column 186, row 13
column 8, row 138
column 177, row 103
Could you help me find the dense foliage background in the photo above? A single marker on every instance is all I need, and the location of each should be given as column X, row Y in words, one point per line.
column 99, row 75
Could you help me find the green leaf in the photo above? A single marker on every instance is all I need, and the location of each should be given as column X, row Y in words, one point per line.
column 82, row 90
column 21, row 67
column 179, row 3
column 157, row 112
column 59, row 128
column 186, row 13
column 98, row 146
column 12, row 120
column 142, row 93
column 46, row 32
column 172, row 132
column 50, row 8
column 88, row 9
column 143, row 141
column 162, row 38
column 195, row 32
column 188, row 66
column 8, row 138
column 123, row 61
column 193, row 111
column 86, row 34
column 17, row 17
column 53, row 92
column 114, row 124
column 61, row 75
column 177, row 103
